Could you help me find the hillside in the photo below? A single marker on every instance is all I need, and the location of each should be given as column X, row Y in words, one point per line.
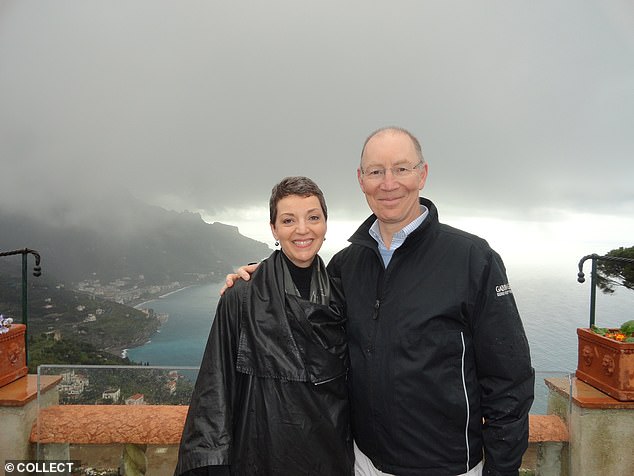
column 69, row 315
column 98, row 261
column 129, row 239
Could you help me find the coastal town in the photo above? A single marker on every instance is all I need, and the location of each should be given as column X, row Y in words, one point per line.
column 134, row 291
column 136, row 387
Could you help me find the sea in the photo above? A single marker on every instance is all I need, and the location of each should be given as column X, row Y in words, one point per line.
column 551, row 302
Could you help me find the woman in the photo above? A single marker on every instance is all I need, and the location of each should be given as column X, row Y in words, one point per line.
column 271, row 397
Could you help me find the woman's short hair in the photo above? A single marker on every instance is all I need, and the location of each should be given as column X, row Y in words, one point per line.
column 302, row 186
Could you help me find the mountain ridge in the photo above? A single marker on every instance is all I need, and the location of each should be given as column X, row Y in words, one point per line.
column 129, row 238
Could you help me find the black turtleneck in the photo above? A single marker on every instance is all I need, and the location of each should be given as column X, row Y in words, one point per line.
column 301, row 277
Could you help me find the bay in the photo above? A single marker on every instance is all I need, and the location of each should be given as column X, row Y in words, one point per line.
column 181, row 340
column 551, row 302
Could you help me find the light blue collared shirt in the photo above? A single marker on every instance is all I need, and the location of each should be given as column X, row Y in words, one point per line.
column 399, row 237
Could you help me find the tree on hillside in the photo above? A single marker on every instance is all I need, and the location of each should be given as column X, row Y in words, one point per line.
column 616, row 273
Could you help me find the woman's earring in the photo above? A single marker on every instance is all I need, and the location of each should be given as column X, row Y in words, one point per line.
column 277, row 243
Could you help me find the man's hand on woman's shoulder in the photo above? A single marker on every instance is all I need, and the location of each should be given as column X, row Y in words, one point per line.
column 243, row 272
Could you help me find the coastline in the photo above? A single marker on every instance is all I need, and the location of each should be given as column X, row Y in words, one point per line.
column 183, row 337
column 122, row 350
column 176, row 291
column 143, row 303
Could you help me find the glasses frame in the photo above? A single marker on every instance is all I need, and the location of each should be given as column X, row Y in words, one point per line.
column 398, row 172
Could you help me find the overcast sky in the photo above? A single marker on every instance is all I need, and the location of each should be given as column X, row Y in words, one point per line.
column 525, row 110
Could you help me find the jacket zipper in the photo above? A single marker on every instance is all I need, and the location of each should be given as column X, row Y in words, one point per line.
column 375, row 325
column 377, row 302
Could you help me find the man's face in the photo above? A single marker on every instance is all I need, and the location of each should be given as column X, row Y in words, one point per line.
column 394, row 200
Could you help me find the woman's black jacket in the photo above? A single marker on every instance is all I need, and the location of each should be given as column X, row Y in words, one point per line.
column 271, row 396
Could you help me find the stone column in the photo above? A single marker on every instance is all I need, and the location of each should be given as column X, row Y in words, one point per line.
column 601, row 428
column 18, row 413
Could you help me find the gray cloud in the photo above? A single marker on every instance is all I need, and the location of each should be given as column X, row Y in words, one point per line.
column 521, row 107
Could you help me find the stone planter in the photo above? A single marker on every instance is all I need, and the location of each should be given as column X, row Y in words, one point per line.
column 606, row 364
column 12, row 354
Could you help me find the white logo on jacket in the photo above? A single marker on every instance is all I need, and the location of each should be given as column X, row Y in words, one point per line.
column 503, row 289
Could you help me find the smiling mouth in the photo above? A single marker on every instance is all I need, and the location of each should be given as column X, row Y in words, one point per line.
column 389, row 199
column 303, row 243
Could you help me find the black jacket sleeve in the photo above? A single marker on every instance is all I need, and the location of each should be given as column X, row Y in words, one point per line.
column 504, row 371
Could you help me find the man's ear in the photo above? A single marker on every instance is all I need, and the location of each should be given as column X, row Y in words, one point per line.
column 423, row 176
column 360, row 179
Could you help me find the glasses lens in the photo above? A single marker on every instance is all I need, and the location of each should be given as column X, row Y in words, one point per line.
column 374, row 173
column 398, row 172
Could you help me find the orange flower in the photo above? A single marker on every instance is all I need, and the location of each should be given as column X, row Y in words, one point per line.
column 624, row 334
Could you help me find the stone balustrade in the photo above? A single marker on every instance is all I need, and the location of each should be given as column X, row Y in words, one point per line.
column 584, row 422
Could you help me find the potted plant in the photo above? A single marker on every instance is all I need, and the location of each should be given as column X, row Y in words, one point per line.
column 12, row 351
column 623, row 334
column 606, row 359
column 606, row 355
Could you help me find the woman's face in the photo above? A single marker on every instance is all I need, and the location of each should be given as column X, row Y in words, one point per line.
column 300, row 227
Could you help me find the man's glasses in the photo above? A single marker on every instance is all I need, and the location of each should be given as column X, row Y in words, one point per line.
column 399, row 171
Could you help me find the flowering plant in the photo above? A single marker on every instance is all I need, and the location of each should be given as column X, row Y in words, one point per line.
column 5, row 323
column 624, row 334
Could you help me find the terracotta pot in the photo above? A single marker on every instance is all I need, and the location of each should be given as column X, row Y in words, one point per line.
column 606, row 364
column 12, row 354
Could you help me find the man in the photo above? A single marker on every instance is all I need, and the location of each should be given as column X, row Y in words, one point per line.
column 441, row 381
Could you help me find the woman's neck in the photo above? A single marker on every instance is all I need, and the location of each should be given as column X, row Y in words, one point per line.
column 301, row 276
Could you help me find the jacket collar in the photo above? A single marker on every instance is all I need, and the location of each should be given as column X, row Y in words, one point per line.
column 283, row 336
column 362, row 235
